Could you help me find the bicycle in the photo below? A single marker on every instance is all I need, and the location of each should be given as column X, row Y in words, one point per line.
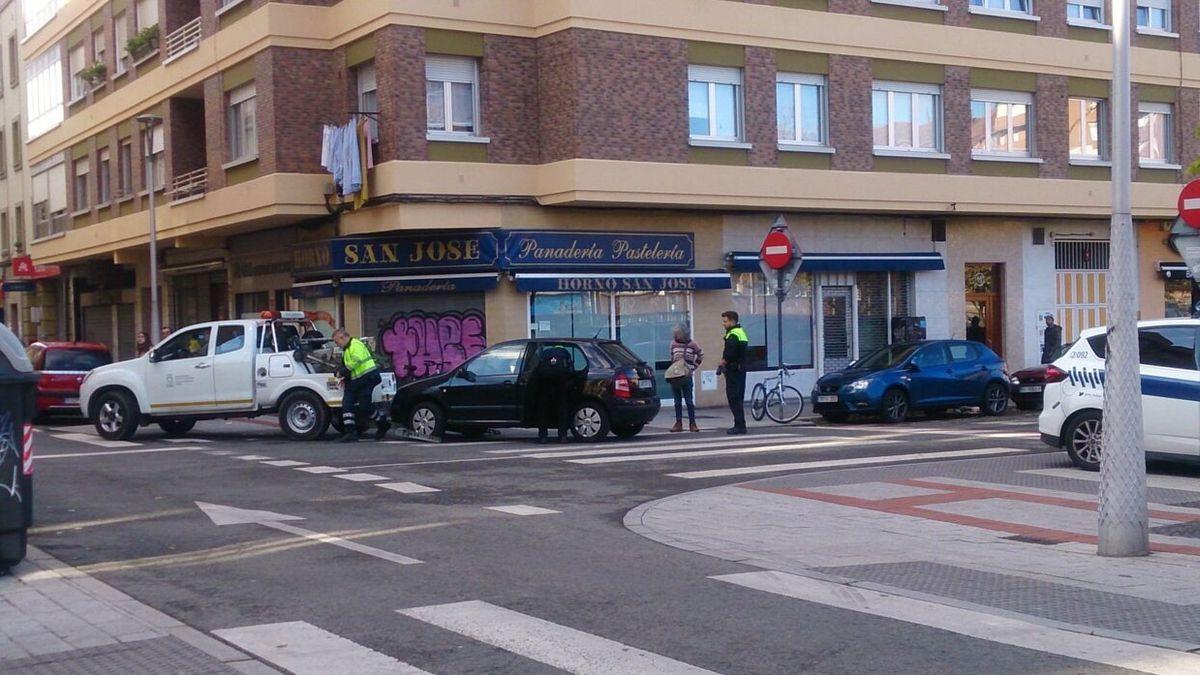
column 781, row 402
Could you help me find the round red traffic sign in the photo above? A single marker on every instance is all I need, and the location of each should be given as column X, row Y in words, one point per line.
column 776, row 250
column 1189, row 204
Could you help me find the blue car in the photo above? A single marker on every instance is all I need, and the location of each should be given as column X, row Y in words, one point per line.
column 932, row 375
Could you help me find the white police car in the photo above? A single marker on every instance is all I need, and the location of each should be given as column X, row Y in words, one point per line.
column 1170, row 364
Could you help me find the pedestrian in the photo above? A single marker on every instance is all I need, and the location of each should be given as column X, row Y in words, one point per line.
column 552, row 398
column 164, row 333
column 1052, row 339
column 686, row 356
column 360, row 376
column 976, row 332
column 142, row 342
column 733, row 365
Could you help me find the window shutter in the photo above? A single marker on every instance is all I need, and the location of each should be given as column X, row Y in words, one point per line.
column 715, row 74
column 57, row 177
column 242, row 94
column 366, row 78
column 450, row 69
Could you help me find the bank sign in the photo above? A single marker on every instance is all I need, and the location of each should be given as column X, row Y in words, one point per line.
column 540, row 249
column 450, row 250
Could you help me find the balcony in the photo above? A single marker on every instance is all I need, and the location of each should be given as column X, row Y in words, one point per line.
column 191, row 184
column 184, row 39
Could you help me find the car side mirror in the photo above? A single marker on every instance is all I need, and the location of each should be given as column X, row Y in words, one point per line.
column 152, row 355
column 913, row 368
column 467, row 375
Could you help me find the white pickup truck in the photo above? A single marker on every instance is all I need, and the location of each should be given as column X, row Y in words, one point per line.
column 279, row 364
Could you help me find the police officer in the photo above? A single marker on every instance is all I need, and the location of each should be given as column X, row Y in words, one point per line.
column 360, row 376
column 733, row 364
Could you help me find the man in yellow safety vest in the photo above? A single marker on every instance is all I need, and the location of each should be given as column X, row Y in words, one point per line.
column 360, row 376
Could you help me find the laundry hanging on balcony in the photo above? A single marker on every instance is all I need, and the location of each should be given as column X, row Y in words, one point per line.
column 346, row 152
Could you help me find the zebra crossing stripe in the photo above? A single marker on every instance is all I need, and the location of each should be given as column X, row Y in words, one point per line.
column 92, row 439
column 545, row 642
column 841, row 442
column 674, row 441
column 626, row 449
column 842, row 463
column 305, row 649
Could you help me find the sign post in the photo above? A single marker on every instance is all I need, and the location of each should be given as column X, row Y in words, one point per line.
column 779, row 258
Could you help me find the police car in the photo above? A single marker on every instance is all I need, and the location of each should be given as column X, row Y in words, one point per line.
column 1170, row 365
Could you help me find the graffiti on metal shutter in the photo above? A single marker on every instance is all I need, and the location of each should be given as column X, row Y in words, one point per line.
column 427, row 343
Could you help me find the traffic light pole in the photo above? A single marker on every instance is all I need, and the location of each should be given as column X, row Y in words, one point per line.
column 1124, row 525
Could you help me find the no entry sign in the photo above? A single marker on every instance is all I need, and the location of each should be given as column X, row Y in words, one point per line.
column 779, row 257
column 1189, row 204
column 776, row 249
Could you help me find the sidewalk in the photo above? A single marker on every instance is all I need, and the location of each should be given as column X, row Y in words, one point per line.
column 56, row 619
column 1012, row 537
column 719, row 417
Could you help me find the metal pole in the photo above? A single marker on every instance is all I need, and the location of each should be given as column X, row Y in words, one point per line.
column 780, row 294
column 1124, row 524
column 155, row 318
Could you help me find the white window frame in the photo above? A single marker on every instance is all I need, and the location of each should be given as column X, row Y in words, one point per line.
column 80, row 169
column 156, row 140
column 99, row 45
column 1080, row 21
column 240, row 145
column 44, row 92
column 892, row 88
column 1165, row 7
column 798, row 80
column 450, row 70
column 713, row 76
column 1167, row 109
column 151, row 12
column 1102, row 134
column 991, row 96
column 1006, row 11
column 125, row 178
column 79, row 88
column 103, row 176
column 120, row 37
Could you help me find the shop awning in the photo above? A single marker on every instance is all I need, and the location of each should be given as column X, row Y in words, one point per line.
column 747, row 261
column 322, row 288
column 686, row 280
column 1173, row 270
column 424, row 283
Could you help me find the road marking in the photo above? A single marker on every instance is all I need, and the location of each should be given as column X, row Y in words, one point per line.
column 552, row 644
column 641, row 444
column 92, row 439
column 839, row 463
column 407, row 488
column 230, row 515
column 359, row 477
column 981, row 625
column 219, row 453
column 730, row 451
column 1164, row 482
column 319, row 469
column 629, row 449
column 139, row 451
column 305, row 649
column 522, row 510
column 434, row 461
column 251, row 458
column 285, row 463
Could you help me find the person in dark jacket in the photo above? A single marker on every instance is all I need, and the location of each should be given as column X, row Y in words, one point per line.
column 976, row 332
column 1053, row 339
column 733, row 365
column 552, row 399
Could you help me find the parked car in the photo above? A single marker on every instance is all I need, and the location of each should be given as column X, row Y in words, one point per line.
column 931, row 375
column 278, row 364
column 615, row 391
column 62, row 367
column 1028, row 384
column 1073, row 419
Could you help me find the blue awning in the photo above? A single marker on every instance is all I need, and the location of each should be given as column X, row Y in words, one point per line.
column 425, row 283
column 313, row 289
column 747, row 261
column 688, row 280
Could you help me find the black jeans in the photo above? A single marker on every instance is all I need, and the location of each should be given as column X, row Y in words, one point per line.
column 552, row 404
column 356, row 399
column 735, row 393
column 682, row 389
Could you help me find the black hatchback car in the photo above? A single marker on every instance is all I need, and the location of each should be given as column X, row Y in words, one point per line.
column 612, row 391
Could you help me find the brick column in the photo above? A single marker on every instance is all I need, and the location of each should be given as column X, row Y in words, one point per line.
column 956, row 116
column 1187, row 109
column 1053, row 15
column 860, row 7
column 400, row 69
column 556, row 93
column 214, row 131
column 1050, row 124
column 1187, row 24
column 508, row 90
column 290, row 116
column 957, row 12
column 850, row 112
column 760, row 106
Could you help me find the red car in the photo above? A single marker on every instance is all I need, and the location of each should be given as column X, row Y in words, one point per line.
column 1028, row 385
column 62, row 366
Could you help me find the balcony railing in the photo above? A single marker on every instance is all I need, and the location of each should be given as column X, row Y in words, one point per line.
column 189, row 184
column 183, row 40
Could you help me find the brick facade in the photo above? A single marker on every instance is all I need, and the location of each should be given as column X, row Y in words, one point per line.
column 956, row 131
column 850, row 112
column 1050, row 126
column 509, row 98
column 556, row 92
column 400, row 68
column 761, row 123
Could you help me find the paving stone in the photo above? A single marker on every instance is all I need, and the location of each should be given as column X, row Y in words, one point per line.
column 149, row 657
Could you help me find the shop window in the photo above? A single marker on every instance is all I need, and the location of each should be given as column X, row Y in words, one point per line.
column 571, row 315
column 1178, row 298
column 756, row 308
column 872, row 308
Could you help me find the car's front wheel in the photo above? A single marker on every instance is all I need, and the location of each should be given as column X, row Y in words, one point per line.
column 995, row 399
column 589, row 422
column 115, row 415
column 1082, row 440
column 895, row 406
column 427, row 420
column 303, row 416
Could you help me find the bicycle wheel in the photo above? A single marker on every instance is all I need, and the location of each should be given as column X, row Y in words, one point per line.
column 784, row 404
column 758, row 402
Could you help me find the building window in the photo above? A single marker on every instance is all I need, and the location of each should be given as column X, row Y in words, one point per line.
column 1015, row 6
column 82, row 166
column 906, row 117
column 38, row 13
column 451, row 95
column 241, row 129
column 125, row 168
column 800, row 109
column 121, row 33
column 76, row 63
column 3, row 152
column 1000, row 122
column 146, row 14
column 5, row 235
column 755, row 306
column 1087, row 125
column 715, row 103
column 49, row 200
column 1154, row 133
column 368, row 97
column 14, row 62
column 16, row 143
column 1154, row 15
column 1085, row 11
column 153, row 139
column 44, row 92
column 104, row 176
column 99, row 46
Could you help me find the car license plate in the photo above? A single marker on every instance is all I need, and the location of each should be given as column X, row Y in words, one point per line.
column 71, row 400
column 1029, row 390
column 645, row 384
column 827, row 399
column 387, row 385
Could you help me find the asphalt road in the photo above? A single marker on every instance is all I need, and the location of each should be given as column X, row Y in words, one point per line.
column 129, row 516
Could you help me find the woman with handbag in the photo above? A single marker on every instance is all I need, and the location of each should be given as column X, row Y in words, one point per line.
column 686, row 356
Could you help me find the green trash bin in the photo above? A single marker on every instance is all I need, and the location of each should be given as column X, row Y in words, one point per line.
column 18, row 398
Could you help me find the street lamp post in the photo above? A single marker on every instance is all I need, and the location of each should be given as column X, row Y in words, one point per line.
column 1124, row 525
column 148, row 122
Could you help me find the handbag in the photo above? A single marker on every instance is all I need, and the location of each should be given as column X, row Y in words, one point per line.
column 678, row 370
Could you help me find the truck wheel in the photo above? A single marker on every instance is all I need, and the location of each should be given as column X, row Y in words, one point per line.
column 427, row 420
column 115, row 416
column 176, row 427
column 303, row 416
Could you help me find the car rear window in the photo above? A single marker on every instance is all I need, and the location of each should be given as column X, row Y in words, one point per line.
column 619, row 354
column 75, row 359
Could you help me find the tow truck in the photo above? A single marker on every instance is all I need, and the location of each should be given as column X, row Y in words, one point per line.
column 276, row 364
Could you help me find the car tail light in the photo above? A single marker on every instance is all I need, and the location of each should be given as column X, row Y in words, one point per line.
column 622, row 386
column 1055, row 374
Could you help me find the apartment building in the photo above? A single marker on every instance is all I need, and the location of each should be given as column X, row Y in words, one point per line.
column 14, row 233
column 600, row 167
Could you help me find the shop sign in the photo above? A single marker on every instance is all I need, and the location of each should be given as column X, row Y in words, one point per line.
column 452, row 250
column 252, row 267
column 531, row 249
column 405, row 285
column 311, row 257
column 19, row 287
column 622, row 283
